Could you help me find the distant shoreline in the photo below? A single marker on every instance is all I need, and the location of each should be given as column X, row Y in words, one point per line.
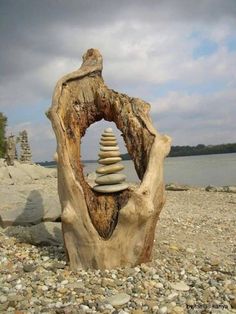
column 200, row 149
column 176, row 151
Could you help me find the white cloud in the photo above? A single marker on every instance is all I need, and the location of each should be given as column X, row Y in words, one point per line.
column 193, row 119
column 145, row 45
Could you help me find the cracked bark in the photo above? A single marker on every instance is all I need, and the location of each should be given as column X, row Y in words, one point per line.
column 100, row 230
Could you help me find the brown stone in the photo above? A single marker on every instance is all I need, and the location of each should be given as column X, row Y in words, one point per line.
column 109, row 148
column 110, row 178
column 110, row 169
column 109, row 154
column 233, row 303
column 108, row 135
column 108, row 138
column 110, row 160
column 108, row 143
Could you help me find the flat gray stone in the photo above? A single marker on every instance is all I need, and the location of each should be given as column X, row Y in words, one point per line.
column 176, row 187
column 229, row 189
column 4, row 173
column 31, row 210
column 2, row 162
column 110, row 169
column 109, row 160
column 37, row 172
column 45, row 233
column 20, row 217
column 211, row 188
column 52, row 208
column 18, row 175
column 110, row 179
column 91, row 177
column 28, row 268
column 118, row 299
column 109, row 148
column 112, row 188
column 24, row 173
column 11, row 198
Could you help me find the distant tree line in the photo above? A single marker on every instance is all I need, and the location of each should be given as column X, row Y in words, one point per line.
column 200, row 149
column 177, row 151
column 47, row 163
column 3, row 124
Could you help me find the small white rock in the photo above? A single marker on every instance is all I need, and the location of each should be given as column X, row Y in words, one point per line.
column 64, row 282
column 163, row 310
column 118, row 299
column 44, row 288
column 172, row 296
column 159, row 285
column 3, row 299
column 45, row 258
column 179, row 286
column 155, row 277
column 109, row 307
column 18, row 287
column 59, row 304
column 108, row 130
column 190, row 250
column 85, row 308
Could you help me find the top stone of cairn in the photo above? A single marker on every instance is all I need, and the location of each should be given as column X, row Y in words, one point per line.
column 108, row 179
column 109, row 130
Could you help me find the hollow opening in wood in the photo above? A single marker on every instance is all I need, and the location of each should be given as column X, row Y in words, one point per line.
column 90, row 148
column 77, row 117
column 103, row 208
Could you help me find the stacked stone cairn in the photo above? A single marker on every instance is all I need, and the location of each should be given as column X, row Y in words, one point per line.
column 25, row 148
column 108, row 179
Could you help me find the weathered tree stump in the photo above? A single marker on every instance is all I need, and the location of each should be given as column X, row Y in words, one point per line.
column 101, row 230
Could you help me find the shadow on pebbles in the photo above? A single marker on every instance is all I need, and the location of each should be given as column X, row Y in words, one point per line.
column 193, row 267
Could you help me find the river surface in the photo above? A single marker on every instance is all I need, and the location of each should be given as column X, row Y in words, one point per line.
column 202, row 170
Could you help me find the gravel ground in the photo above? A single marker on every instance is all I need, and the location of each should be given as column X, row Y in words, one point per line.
column 193, row 268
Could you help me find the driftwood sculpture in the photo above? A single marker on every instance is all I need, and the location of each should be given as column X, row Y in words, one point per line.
column 106, row 230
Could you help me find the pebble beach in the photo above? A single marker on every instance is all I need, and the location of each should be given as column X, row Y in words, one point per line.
column 192, row 270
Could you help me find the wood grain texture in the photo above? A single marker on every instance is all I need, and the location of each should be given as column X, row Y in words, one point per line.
column 96, row 226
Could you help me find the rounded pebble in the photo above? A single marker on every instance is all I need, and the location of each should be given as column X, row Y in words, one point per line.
column 110, row 188
column 110, row 169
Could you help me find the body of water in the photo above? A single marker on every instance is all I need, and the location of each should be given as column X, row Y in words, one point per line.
column 202, row 170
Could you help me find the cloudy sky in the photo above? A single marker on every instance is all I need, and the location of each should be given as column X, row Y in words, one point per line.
column 178, row 55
